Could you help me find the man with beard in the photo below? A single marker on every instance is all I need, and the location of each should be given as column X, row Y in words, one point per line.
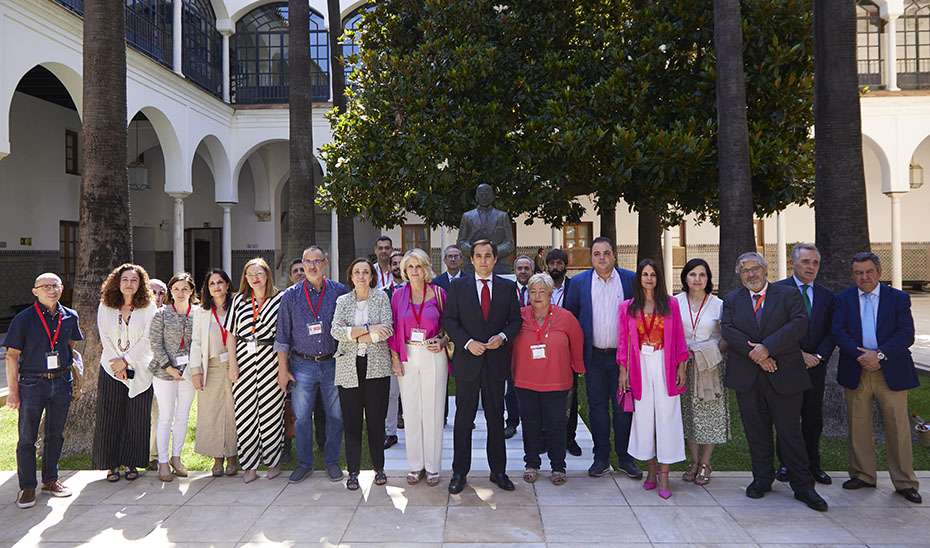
column 395, row 414
column 384, row 248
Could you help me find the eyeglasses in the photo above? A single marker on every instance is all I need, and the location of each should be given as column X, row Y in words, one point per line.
column 258, row 276
column 316, row 263
column 49, row 287
column 453, row 257
column 754, row 270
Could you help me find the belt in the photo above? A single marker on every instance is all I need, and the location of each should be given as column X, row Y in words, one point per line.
column 611, row 351
column 312, row 358
column 264, row 342
column 417, row 343
column 53, row 375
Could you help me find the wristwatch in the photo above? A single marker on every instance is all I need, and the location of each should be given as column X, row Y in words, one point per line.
column 819, row 357
column 881, row 355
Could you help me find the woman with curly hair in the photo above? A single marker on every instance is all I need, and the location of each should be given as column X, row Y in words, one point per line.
column 124, row 386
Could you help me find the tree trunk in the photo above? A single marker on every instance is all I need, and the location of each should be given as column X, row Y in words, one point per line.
column 346, row 223
column 301, row 218
column 650, row 238
column 608, row 215
column 105, row 226
column 840, row 208
column 736, row 235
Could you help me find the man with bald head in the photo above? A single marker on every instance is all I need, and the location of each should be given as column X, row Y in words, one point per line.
column 40, row 350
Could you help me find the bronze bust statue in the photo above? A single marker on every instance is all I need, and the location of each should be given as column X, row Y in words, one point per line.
column 486, row 222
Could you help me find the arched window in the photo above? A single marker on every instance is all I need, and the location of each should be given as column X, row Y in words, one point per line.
column 260, row 56
column 351, row 44
column 203, row 55
column 869, row 28
column 148, row 28
column 913, row 45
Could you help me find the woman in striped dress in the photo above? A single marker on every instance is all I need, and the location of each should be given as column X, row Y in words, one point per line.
column 253, row 364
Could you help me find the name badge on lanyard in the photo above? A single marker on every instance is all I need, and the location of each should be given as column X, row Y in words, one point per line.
column 51, row 359
column 224, row 357
column 417, row 335
column 315, row 328
column 182, row 360
column 539, row 351
column 251, row 346
column 648, row 350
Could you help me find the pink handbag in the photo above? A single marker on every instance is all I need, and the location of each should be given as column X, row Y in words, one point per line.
column 625, row 399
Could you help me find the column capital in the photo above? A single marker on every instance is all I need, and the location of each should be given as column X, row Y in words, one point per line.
column 226, row 27
column 226, row 205
column 896, row 193
column 179, row 196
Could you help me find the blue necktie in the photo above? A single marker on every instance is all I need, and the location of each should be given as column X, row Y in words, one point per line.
column 868, row 324
column 755, row 305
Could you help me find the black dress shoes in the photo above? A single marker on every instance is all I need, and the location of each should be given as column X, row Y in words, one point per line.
column 501, row 480
column 910, row 494
column 757, row 489
column 630, row 469
column 390, row 441
column 782, row 473
column 821, row 477
column 856, row 483
column 509, row 432
column 574, row 449
column 456, row 484
column 812, row 500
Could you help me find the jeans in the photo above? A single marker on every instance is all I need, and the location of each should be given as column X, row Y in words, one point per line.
column 544, row 410
column 53, row 396
column 314, row 378
column 602, row 379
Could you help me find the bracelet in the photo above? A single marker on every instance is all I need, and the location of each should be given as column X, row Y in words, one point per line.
column 367, row 328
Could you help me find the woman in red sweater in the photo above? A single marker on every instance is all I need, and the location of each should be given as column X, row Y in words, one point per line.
column 547, row 350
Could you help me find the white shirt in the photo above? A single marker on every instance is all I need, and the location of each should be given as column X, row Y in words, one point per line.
column 451, row 277
column 752, row 297
column 810, row 290
column 606, row 297
column 558, row 294
column 874, row 295
column 383, row 276
column 523, row 296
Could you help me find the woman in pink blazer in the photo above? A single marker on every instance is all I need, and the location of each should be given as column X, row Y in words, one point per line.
column 652, row 354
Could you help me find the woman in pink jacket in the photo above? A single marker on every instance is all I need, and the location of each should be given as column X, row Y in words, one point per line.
column 652, row 354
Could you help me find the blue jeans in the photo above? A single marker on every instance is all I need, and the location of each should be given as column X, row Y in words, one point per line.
column 602, row 379
column 53, row 396
column 311, row 377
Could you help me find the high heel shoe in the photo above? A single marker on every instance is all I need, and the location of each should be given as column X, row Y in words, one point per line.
column 650, row 485
column 164, row 472
column 664, row 493
column 231, row 468
column 217, row 469
column 177, row 467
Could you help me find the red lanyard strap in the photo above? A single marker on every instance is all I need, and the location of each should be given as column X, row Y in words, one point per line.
column 417, row 316
column 520, row 294
column 647, row 327
column 51, row 340
column 319, row 303
column 545, row 327
column 255, row 313
column 222, row 331
column 695, row 319
column 184, row 325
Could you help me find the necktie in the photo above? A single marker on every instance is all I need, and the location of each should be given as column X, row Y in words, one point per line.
column 523, row 296
column 485, row 299
column 807, row 300
column 755, row 305
column 868, row 324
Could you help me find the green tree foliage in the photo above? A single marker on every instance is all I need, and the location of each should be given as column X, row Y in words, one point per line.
column 548, row 100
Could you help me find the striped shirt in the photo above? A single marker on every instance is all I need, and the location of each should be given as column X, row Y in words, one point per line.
column 606, row 297
column 240, row 318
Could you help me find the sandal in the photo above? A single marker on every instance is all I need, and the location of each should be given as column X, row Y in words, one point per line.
column 650, row 485
column 558, row 478
column 217, row 469
column 691, row 472
column 432, row 479
column 132, row 473
column 352, row 482
column 113, row 475
column 381, row 477
column 413, row 478
column 703, row 476
column 664, row 493
column 231, row 468
column 529, row 475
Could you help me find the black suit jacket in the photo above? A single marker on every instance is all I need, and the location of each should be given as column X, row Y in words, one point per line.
column 783, row 324
column 443, row 281
column 819, row 336
column 463, row 321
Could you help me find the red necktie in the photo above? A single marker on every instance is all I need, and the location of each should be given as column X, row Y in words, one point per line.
column 485, row 299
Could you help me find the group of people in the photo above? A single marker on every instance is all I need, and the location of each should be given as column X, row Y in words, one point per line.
column 657, row 368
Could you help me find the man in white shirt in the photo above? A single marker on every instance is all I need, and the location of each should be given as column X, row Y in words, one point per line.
column 384, row 247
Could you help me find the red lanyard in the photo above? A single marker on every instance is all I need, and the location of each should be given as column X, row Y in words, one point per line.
column 184, row 326
column 520, row 295
column 51, row 340
column 256, row 312
column 758, row 304
column 545, row 327
column 694, row 320
column 390, row 277
column 561, row 296
column 417, row 316
column 647, row 327
column 319, row 303
column 222, row 331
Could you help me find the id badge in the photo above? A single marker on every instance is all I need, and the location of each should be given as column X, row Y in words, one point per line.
column 315, row 328
column 648, row 350
column 182, row 360
column 539, row 351
column 251, row 347
column 224, row 357
column 51, row 360
column 417, row 335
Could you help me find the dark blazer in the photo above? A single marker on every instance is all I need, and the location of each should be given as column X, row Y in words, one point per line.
column 443, row 280
column 578, row 302
column 463, row 321
column 894, row 330
column 819, row 336
column 783, row 324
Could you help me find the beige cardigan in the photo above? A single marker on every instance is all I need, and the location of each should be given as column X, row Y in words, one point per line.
column 200, row 343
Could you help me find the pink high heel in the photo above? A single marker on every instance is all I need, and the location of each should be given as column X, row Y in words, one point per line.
column 650, row 485
column 662, row 492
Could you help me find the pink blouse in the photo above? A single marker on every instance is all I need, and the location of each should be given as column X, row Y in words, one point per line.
column 405, row 319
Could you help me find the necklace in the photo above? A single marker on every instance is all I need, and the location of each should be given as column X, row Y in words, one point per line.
column 119, row 335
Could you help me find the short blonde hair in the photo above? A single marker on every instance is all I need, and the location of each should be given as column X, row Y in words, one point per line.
column 420, row 256
column 541, row 278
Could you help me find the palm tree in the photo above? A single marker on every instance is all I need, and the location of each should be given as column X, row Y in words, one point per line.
column 736, row 235
column 346, row 224
column 105, row 226
column 840, row 210
column 301, row 218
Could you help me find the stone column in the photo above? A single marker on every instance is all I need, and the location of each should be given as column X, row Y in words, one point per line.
column 227, row 236
column 226, row 35
column 178, row 247
column 896, row 263
column 891, row 52
column 668, row 258
column 780, row 245
column 177, row 38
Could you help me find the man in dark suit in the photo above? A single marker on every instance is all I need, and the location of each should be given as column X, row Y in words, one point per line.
column 556, row 265
column 873, row 326
column 763, row 324
column 594, row 297
column 482, row 315
column 452, row 257
column 816, row 348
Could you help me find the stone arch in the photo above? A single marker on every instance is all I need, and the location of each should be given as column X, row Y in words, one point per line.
column 71, row 80
column 883, row 161
column 177, row 170
column 218, row 162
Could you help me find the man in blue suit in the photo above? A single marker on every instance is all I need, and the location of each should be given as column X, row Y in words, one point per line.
column 816, row 348
column 594, row 298
column 452, row 256
column 874, row 329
